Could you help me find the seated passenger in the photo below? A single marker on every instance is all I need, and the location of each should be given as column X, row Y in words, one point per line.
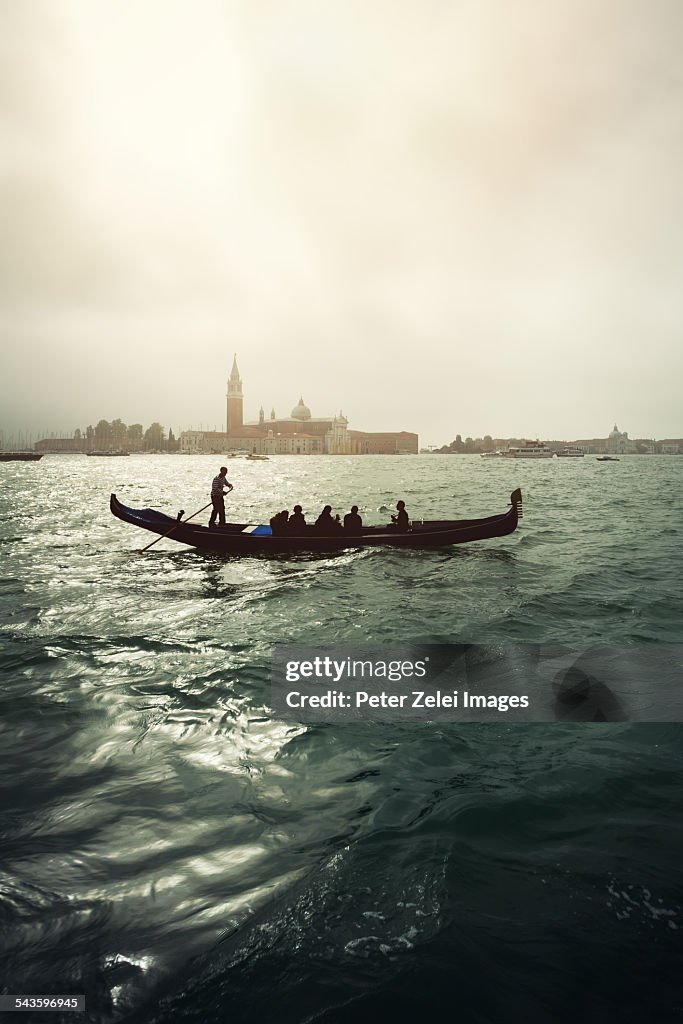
column 297, row 521
column 278, row 524
column 325, row 523
column 400, row 520
column 353, row 522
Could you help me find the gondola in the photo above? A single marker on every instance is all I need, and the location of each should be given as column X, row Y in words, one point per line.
column 247, row 539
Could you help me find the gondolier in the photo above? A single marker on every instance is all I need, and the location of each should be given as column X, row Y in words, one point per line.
column 220, row 486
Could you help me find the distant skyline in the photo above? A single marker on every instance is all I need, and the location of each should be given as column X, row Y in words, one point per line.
column 442, row 218
column 30, row 436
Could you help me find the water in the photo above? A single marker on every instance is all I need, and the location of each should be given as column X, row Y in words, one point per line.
column 178, row 855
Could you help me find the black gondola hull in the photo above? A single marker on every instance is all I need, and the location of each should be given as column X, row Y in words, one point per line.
column 231, row 538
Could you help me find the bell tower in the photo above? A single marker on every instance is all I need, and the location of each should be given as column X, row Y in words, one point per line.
column 235, row 398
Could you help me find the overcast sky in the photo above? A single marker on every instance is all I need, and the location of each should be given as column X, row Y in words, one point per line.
column 447, row 217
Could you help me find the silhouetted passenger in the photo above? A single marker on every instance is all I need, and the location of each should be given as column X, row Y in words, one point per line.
column 297, row 521
column 278, row 524
column 325, row 523
column 400, row 520
column 353, row 522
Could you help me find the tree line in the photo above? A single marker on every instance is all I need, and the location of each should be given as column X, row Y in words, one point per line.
column 470, row 446
column 478, row 445
column 119, row 436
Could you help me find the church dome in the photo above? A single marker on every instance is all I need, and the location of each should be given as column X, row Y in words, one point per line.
column 616, row 432
column 301, row 411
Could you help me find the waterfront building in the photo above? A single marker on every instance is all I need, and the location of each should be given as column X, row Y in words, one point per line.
column 618, row 442
column 61, row 444
column 300, row 433
column 591, row 445
column 401, row 442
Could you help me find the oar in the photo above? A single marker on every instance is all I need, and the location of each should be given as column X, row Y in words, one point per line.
column 174, row 527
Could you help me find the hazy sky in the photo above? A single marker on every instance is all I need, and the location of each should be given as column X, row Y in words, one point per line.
column 448, row 217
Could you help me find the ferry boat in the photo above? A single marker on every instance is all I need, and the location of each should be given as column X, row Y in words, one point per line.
column 571, row 453
column 529, row 450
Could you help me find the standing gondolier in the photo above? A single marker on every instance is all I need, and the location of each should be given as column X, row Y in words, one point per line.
column 220, row 486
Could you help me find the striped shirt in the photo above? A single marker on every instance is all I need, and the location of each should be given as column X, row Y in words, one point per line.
column 219, row 482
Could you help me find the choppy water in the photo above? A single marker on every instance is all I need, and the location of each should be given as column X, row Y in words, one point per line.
column 178, row 855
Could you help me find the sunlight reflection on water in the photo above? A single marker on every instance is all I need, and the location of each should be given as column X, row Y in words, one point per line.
column 153, row 806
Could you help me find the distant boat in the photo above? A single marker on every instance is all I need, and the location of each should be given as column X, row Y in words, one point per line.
column 493, row 455
column 108, row 455
column 607, row 458
column 20, row 456
column 257, row 458
column 529, row 450
column 571, row 453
